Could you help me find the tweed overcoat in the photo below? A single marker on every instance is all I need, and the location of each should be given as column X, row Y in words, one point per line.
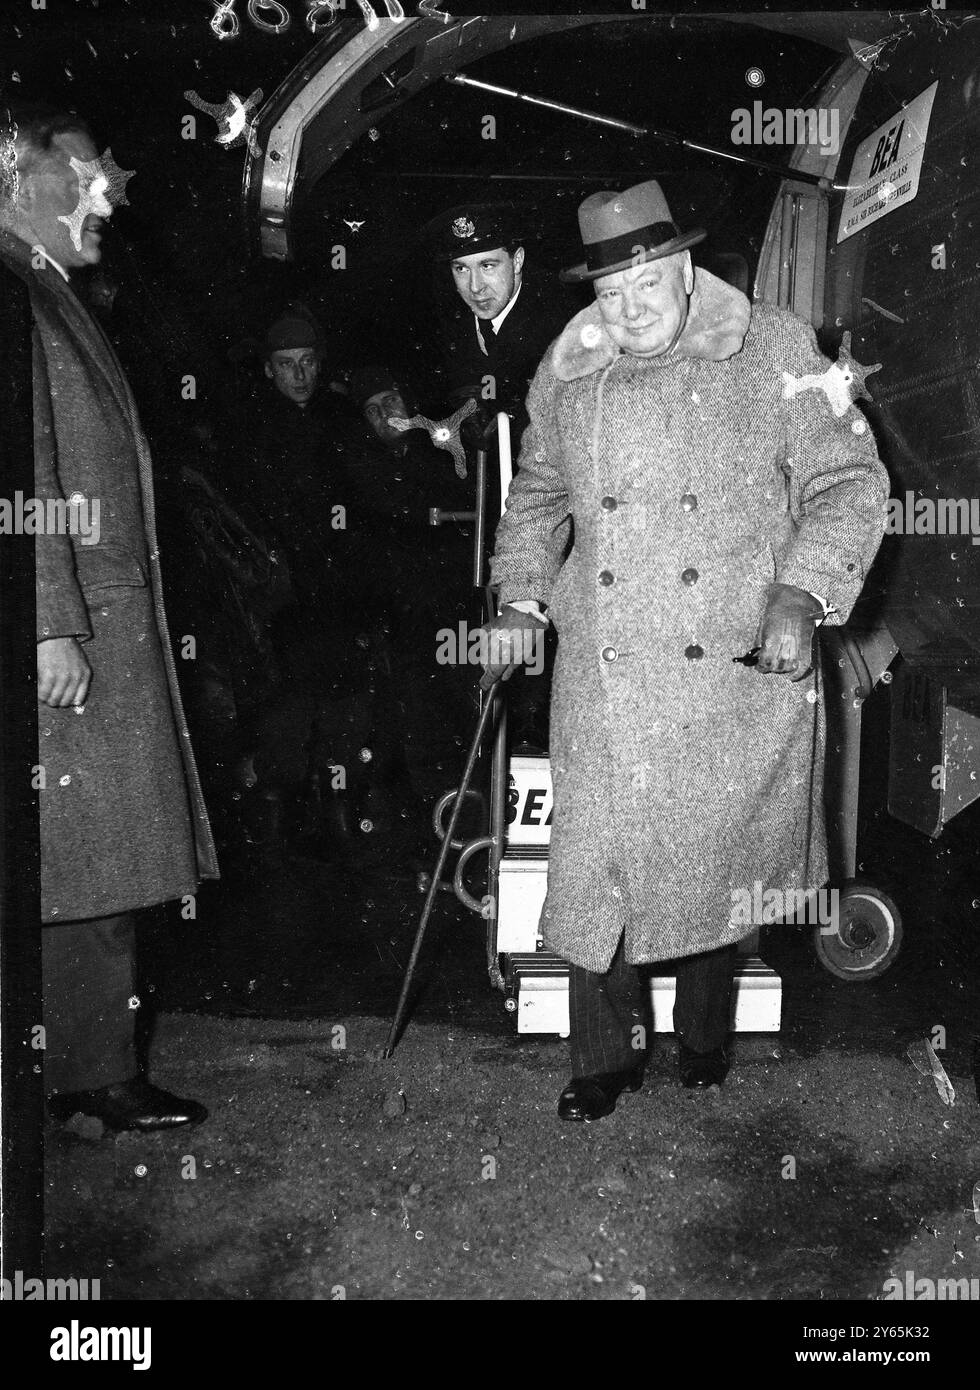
column 123, row 822
column 690, row 485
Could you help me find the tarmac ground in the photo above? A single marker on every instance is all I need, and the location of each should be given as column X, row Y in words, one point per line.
column 831, row 1161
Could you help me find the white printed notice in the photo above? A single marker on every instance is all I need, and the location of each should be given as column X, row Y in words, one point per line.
column 885, row 170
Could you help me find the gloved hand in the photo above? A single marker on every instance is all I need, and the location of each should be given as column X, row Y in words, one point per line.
column 472, row 428
column 506, row 644
column 786, row 632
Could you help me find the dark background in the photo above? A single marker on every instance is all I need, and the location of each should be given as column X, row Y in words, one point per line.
column 291, row 943
column 191, row 286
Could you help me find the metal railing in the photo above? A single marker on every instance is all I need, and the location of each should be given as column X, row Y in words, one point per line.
column 497, row 431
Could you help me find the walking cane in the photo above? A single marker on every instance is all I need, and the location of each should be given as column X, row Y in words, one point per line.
column 489, row 684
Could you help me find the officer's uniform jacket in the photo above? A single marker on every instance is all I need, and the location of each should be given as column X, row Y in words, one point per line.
column 498, row 371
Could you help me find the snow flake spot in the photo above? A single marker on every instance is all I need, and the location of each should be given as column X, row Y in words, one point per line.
column 443, row 433
column 101, row 187
column 836, row 382
column 235, row 118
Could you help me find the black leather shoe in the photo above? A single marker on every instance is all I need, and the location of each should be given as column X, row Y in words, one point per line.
column 701, row 1069
column 591, row 1097
column 129, row 1105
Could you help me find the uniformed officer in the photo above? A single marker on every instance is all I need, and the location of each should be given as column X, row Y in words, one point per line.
column 503, row 318
column 502, row 323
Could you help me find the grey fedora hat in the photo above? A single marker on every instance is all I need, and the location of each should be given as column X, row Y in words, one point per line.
column 623, row 229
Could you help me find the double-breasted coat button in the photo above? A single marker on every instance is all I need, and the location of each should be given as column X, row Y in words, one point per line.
column 609, row 504
column 689, row 502
column 606, row 577
column 694, row 652
column 609, row 653
column 689, row 576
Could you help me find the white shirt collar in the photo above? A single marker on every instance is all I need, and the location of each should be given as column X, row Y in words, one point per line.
column 496, row 321
column 506, row 309
column 64, row 274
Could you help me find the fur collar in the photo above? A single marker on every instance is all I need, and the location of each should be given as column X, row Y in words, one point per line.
column 717, row 322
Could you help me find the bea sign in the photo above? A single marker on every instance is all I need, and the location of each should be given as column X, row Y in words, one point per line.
column 885, row 169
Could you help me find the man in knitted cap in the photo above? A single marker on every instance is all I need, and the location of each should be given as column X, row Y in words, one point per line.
column 296, row 437
column 718, row 516
column 294, row 481
column 293, row 348
column 381, row 399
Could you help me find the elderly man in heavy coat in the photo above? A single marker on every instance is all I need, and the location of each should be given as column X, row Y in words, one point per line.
column 123, row 824
column 717, row 515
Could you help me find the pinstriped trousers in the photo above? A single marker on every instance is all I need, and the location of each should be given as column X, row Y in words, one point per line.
column 610, row 1016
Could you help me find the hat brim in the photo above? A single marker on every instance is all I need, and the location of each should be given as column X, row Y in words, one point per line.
column 445, row 254
column 576, row 274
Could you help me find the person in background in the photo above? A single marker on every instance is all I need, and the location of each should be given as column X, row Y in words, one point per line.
column 293, row 480
column 413, row 579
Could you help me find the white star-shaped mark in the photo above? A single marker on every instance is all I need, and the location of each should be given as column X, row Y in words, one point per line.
column 443, row 433
column 235, row 118
column 8, row 166
column 842, row 383
column 101, row 187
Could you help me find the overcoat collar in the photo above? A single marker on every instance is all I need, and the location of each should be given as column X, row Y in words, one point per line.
column 46, row 280
column 717, row 322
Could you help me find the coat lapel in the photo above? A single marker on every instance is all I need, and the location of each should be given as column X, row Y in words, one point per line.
column 52, row 288
column 94, row 344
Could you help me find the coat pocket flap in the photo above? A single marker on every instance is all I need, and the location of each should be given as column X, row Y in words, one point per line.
column 107, row 567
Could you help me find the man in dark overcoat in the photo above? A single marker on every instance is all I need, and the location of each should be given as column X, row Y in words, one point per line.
column 720, row 512
column 123, row 823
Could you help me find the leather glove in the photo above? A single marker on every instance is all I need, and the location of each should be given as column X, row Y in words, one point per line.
column 506, row 644
column 786, row 632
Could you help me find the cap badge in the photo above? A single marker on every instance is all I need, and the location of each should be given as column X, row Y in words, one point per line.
column 463, row 227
